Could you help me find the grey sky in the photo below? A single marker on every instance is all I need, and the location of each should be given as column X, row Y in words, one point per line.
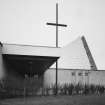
column 24, row 22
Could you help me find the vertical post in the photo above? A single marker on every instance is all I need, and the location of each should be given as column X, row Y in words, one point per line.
column 75, row 78
column 56, row 77
column 56, row 46
column 62, row 25
column 25, row 84
column 88, row 77
column 56, row 25
column 24, row 87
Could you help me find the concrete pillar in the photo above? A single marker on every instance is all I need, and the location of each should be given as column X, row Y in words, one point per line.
column 1, row 63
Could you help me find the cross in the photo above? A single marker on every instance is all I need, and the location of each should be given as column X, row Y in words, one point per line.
column 56, row 24
column 62, row 25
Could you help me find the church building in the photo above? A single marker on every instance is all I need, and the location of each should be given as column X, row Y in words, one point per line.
column 34, row 66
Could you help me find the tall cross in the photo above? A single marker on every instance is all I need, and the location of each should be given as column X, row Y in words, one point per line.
column 57, row 24
column 62, row 25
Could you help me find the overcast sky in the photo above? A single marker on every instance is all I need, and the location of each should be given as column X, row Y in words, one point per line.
column 24, row 22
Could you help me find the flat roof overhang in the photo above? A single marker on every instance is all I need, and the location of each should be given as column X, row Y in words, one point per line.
column 30, row 65
column 18, row 49
column 27, row 59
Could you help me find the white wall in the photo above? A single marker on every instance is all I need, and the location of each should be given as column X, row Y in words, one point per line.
column 97, row 77
column 65, row 77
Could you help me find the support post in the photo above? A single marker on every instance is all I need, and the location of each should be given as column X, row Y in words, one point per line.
column 57, row 47
column 62, row 25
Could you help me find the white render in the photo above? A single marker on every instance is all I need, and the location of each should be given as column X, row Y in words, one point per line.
column 97, row 77
column 30, row 50
column 73, row 56
column 65, row 77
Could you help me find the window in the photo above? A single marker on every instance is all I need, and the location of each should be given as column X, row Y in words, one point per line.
column 80, row 74
column 35, row 76
column 73, row 73
column 86, row 74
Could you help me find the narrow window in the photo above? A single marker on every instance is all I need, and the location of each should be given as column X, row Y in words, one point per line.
column 80, row 74
column 86, row 74
column 73, row 73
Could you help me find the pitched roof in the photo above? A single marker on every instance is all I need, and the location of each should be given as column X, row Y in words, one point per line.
column 76, row 55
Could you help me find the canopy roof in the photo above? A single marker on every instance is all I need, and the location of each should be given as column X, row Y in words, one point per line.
column 30, row 60
column 30, row 50
column 29, row 65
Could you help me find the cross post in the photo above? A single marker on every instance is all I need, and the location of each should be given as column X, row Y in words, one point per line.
column 62, row 25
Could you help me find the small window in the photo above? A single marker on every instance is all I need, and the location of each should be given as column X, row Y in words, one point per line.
column 26, row 76
column 80, row 74
column 73, row 73
column 86, row 74
column 36, row 76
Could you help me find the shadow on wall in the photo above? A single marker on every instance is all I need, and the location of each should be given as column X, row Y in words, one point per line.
column 15, row 86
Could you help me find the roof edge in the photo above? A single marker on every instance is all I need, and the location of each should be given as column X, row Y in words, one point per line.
column 88, row 52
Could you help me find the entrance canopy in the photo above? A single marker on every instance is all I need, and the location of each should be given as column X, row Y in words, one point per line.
column 29, row 60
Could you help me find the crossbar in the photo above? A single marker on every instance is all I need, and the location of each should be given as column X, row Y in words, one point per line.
column 54, row 24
